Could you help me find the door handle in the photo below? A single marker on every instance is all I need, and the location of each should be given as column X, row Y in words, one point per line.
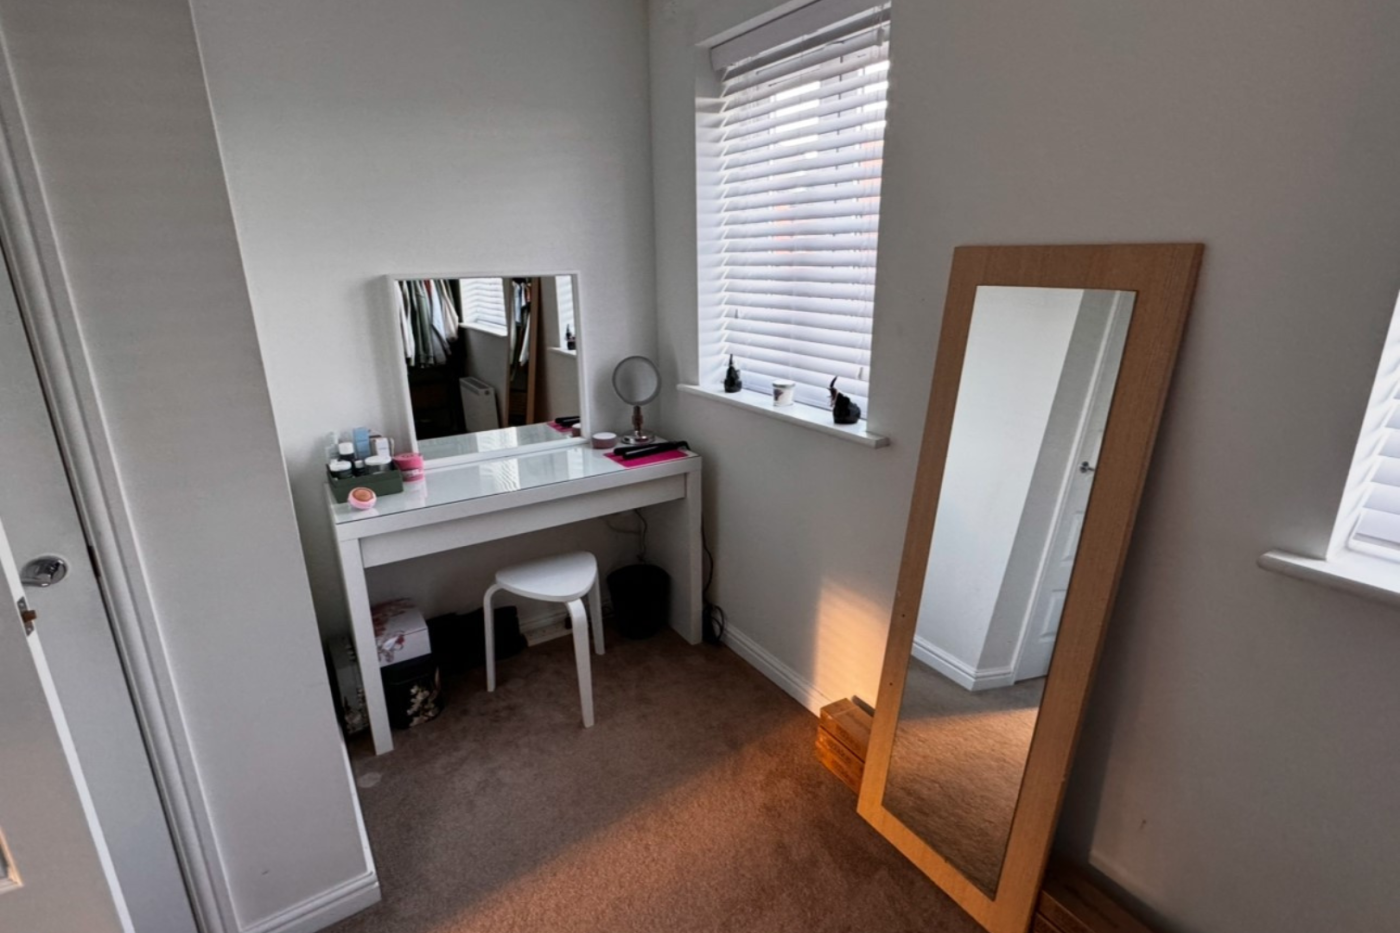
column 44, row 571
column 1086, row 468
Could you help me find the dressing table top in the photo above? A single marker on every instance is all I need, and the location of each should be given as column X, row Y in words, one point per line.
column 453, row 484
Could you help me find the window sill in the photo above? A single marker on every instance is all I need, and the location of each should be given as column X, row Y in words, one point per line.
column 804, row 416
column 1351, row 572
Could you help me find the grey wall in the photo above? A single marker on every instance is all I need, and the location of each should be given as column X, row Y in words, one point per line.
column 115, row 104
column 371, row 138
column 1238, row 768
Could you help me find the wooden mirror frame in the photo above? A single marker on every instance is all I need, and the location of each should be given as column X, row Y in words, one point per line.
column 1163, row 278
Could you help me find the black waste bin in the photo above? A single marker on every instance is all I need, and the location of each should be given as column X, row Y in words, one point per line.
column 641, row 599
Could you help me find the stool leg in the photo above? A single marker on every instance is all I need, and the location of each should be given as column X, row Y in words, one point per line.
column 595, row 609
column 490, row 626
column 585, row 670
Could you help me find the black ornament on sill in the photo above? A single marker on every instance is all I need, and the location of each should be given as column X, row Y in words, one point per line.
column 843, row 410
column 732, row 382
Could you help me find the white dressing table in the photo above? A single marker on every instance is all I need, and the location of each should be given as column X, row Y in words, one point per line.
column 488, row 500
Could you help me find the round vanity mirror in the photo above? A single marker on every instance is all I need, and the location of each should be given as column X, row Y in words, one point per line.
column 637, row 382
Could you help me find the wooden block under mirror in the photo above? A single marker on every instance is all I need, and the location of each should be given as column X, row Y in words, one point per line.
column 843, row 738
column 1052, row 370
column 1070, row 902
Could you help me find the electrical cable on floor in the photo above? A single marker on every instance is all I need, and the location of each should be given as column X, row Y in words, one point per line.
column 713, row 620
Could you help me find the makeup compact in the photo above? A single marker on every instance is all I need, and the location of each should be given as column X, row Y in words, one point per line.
column 362, row 498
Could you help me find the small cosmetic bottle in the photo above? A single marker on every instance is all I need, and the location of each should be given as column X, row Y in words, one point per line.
column 346, row 449
column 377, row 464
column 339, row 469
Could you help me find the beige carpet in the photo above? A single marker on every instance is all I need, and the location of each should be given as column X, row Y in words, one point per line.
column 694, row 804
column 956, row 769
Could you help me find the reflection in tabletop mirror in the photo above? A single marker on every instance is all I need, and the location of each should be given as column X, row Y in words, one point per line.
column 1033, row 401
column 490, row 361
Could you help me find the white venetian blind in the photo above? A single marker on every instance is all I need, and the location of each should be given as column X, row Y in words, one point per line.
column 801, row 143
column 484, row 304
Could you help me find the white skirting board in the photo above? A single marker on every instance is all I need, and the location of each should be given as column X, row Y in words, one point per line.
column 794, row 684
column 958, row 672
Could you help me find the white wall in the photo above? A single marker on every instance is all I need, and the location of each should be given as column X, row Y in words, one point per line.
column 1016, row 350
column 1237, row 772
column 116, row 108
column 371, row 138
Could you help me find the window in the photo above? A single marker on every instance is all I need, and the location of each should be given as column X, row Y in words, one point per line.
column 484, row 304
column 1369, row 520
column 793, row 198
column 564, row 301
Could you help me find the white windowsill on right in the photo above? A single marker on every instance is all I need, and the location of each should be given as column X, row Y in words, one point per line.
column 805, row 416
column 1350, row 571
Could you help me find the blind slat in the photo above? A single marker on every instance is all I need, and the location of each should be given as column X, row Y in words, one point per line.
column 838, row 325
column 858, row 223
column 743, row 301
column 874, row 151
column 851, row 292
column 805, row 244
column 849, row 192
column 816, row 274
column 789, row 212
column 856, row 170
column 798, row 258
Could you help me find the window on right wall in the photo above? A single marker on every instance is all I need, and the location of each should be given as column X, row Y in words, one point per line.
column 1369, row 518
column 790, row 155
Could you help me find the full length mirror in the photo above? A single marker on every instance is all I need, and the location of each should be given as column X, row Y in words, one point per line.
column 1052, row 370
column 490, row 362
column 1037, row 383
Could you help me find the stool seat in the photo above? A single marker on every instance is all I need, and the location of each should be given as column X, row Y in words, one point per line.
column 552, row 579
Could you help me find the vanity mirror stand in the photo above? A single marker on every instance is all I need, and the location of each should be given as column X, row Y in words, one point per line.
column 1051, row 374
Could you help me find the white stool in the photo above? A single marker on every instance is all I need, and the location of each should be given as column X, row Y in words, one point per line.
column 563, row 579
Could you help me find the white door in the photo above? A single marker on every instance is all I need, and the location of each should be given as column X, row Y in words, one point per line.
column 52, row 878
column 1048, row 603
column 41, row 520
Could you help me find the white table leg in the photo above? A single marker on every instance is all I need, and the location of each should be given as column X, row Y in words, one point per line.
column 352, row 572
column 675, row 545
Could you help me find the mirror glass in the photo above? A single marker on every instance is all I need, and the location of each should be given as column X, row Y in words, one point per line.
column 490, row 361
column 1033, row 400
column 637, row 380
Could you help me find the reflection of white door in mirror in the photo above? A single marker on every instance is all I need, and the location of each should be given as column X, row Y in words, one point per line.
column 1037, row 642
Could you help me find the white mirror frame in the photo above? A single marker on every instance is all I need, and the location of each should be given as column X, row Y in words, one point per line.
column 391, row 294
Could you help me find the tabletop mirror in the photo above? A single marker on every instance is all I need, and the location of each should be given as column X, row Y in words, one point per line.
column 490, row 363
column 1052, row 370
